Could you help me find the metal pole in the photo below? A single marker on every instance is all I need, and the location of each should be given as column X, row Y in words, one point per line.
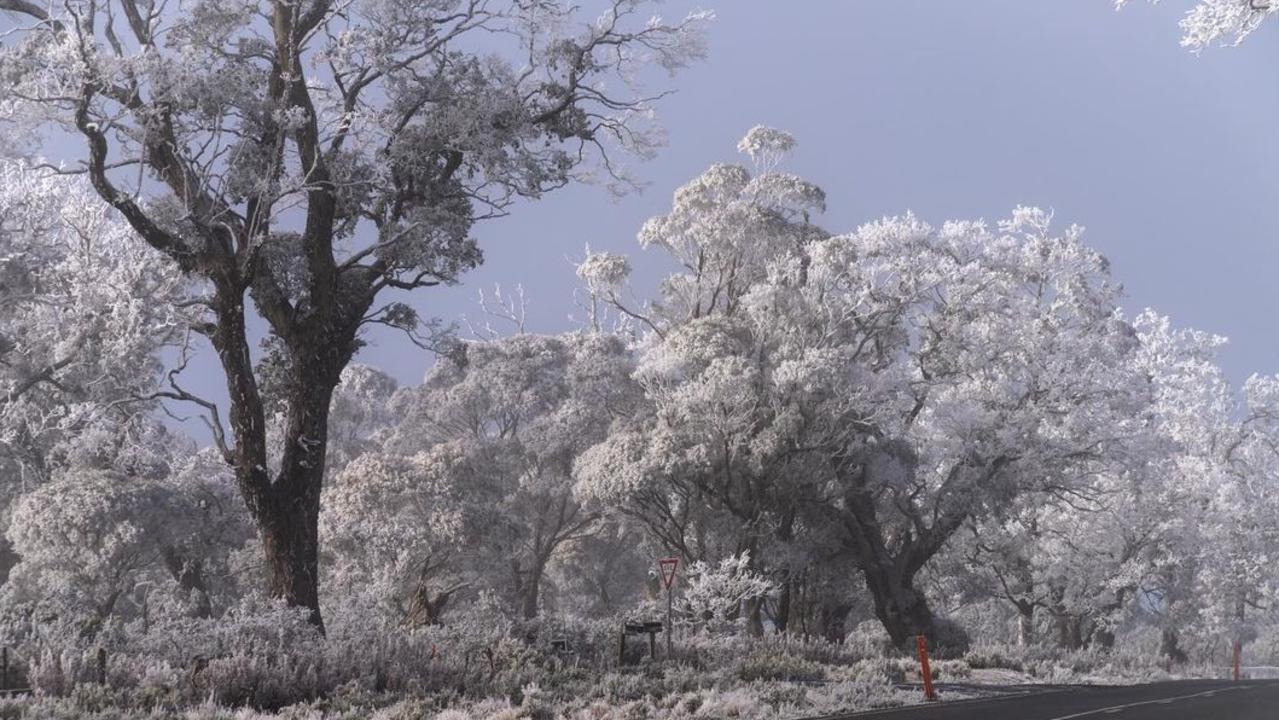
column 670, row 629
column 621, row 647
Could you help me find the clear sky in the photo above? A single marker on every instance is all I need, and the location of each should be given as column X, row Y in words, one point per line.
column 958, row 110
column 961, row 110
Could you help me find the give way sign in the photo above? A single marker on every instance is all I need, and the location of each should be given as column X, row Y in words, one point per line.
column 668, row 566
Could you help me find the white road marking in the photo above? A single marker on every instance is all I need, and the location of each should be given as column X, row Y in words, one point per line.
column 1160, row 701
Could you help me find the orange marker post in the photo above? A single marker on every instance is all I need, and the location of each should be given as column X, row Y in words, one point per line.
column 1238, row 653
column 927, row 672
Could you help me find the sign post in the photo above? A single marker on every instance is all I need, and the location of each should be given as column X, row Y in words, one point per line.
column 927, row 672
column 668, row 566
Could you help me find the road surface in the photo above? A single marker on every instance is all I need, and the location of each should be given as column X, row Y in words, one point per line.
column 1186, row 700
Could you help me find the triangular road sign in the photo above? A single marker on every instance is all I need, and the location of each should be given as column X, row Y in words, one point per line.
column 668, row 566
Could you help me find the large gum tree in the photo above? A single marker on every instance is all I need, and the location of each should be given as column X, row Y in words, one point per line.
column 299, row 160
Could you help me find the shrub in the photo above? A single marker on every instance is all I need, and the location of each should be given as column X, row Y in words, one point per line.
column 990, row 657
column 766, row 666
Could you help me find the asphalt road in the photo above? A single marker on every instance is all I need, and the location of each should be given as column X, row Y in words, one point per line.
column 1187, row 700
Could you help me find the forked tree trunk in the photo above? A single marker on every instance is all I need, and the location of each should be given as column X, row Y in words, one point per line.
column 890, row 560
column 286, row 507
column 902, row 609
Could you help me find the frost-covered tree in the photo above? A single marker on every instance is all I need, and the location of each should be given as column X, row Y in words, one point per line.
column 984, row 364
column 709, row 468
column 361, row 409
column 399, row 534
column 309, row 156
column 1216, row 458
column 95, row 544
column 485, row 449
column 1211, row 21
column 1176, row 531
column 715, row 593
column 84, row 310
column 875, row 391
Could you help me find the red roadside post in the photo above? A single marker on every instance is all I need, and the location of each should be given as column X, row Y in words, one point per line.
column 1238, row 652
column 924, row 670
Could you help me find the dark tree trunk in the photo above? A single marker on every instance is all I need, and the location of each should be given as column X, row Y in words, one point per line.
column 781, row 619
column 1025, row 623
column 425, row 610
column 290, row 546
column 528, row 585
column 785, row 534
column 902, row 609
column 189, row 575
column 288, row 520
column 889, row 558
column 1070, row 631
column 832, row 621
column 286, row 507
column 755, row 617
column 1170, row 646
column 1104, row 639
column 529, row 604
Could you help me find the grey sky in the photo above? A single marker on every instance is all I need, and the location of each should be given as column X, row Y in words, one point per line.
column 959, row 110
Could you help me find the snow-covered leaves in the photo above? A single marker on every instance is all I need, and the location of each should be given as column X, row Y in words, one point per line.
column 474, row 479
column 716, row 593
column 84, row 310
column 1230, row 21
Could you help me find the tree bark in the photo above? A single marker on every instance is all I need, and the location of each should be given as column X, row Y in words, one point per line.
column 288, row 513
column 1170, row 646
column 755, row 617
column 902, row 609
column 891, row 559
column 189, row 575
column 286, row 507
column 781, row 619
column 831, row 621
column 290, row 545
column 1070, row 631
column 1025, row 624
column 531, row 593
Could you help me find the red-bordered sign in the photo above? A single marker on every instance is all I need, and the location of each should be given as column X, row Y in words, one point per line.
column 668, row 566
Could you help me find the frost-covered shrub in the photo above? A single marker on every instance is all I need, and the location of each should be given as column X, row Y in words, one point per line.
column 768, row 666
column 949, row 639
column 991, row 657
column 714, row 594
column 869, row 639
